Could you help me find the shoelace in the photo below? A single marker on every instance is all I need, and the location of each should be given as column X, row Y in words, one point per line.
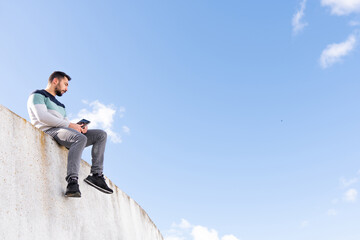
column 100, row 176
column 71, row 180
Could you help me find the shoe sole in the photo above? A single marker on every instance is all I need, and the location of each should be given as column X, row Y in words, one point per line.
column 97, row 187
column 76, row 195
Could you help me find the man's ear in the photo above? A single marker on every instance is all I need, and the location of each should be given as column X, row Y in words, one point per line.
column 55, row 81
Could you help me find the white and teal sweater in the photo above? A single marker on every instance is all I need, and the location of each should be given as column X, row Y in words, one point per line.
column 46, row 111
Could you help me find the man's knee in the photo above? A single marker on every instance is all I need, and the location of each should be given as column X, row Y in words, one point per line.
column 81, row 138
column 102, row 135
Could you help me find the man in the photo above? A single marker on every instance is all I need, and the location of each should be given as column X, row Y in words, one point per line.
column 49, row 115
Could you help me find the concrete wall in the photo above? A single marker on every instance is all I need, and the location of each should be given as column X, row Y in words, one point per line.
column 32, row 186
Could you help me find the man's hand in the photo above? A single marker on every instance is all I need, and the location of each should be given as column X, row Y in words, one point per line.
column 77, row 127
column 84, row 130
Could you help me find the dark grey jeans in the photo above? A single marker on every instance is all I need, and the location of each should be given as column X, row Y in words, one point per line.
column 76, row 142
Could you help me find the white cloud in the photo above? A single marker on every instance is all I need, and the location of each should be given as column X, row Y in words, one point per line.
column 122, row 110
column 185, row 231
column 183, row 224
column 297, row 20
column 334, row 52
column 202, row 233
column 351, row 195
column 114, row 137
column 342, row 7
column 173, row 238
column 332, row 212
column 347, row 183
column 101, row 116
column 229, row 237
column 126, row 129
column 354, row 23
column 304, row 224
column 335, row 201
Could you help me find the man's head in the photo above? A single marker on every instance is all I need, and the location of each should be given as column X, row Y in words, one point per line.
column 58, row 82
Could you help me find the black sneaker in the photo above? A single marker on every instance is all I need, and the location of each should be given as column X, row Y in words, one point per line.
column 98, row 182
column 72, row 189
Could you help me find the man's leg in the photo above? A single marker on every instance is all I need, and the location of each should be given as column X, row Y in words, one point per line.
column 75, row 142
column 97, row 138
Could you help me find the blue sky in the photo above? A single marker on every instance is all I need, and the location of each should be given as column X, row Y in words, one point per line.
column 228, row 120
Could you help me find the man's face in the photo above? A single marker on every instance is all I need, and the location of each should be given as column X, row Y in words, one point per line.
column 62, row 86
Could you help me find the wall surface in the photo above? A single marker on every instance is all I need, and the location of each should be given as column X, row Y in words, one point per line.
column 32, row 187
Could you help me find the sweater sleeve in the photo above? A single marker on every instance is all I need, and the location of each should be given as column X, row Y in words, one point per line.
column 40, row 113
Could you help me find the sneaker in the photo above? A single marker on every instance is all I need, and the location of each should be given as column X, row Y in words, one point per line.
column 98, row 182
column 72, row 189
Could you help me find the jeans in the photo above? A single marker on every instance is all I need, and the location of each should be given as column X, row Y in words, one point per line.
column 76, row 142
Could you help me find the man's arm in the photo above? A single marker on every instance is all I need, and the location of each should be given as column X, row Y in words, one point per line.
column 38, row 110
column 41, row 113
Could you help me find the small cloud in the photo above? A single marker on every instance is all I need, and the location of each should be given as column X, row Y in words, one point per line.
column 297, row 23
column 332, row 212
column 351, row 195
column 335, row 52
column 173, row 238
column 126, row 129
column 183, row 224
column 342, row 7
column 115, row 138
column 347, row 183
column 354, row 23
column 229, row 237
column 304, row 224
column 202, row 233
column 335, row 201
column 122, row 110
column 184, row 230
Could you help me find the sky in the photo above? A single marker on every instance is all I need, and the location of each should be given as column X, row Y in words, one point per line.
column 226, row 120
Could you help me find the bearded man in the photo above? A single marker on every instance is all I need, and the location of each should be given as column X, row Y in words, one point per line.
column 49, row 115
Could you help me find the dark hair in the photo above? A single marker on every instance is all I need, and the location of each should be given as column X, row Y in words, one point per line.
column 59, row 75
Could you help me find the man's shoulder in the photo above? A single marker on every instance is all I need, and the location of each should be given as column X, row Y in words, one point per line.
column 41, row 92
column 47, row 96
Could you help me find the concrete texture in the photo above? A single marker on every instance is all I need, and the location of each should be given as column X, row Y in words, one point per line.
column 32, row 202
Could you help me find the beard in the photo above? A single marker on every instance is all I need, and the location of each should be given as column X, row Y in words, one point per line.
column 57, row 91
